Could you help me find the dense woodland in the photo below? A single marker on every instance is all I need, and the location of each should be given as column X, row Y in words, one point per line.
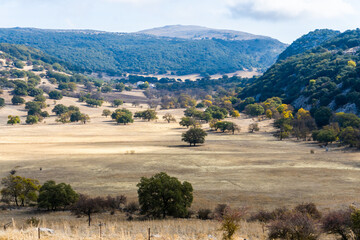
column 117, row 53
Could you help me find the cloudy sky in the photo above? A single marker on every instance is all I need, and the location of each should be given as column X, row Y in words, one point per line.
column 285, row 20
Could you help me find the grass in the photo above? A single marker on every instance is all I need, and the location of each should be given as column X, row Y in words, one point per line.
column 125, row 230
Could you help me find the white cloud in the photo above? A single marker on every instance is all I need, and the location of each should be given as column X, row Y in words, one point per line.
column 287, row 9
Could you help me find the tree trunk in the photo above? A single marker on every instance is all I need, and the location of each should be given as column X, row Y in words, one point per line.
column 89, row 215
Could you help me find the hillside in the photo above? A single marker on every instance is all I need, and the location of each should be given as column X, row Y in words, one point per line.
column 116, row 53
column 328, row 75
column 307, row 42
column 198, row 32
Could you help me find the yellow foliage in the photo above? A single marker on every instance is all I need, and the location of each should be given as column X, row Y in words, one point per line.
column 269, row 113
column 351, row 63
column 207, row 103
column 235, row 114
column 208, row 97
column 302, row 114
column 282, row 108
column 312, row 82
column 287, row 114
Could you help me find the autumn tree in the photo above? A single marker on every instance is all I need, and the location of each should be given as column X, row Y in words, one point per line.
column 13, row 120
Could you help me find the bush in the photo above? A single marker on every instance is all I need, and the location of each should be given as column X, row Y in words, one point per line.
column 31, row 119
column 204, row 214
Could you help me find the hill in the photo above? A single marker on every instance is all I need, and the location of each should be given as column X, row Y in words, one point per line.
column 327, row 75
column 308, row 41
column 198, row 33
column 117, row 53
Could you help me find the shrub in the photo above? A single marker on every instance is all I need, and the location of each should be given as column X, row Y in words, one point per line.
column 204, row 214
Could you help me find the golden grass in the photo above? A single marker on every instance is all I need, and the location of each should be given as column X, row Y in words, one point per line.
column 125, row 230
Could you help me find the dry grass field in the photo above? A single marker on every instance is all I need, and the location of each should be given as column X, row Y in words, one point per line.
column 103, row 158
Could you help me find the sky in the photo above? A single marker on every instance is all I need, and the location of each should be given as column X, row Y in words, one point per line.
column 285, row 20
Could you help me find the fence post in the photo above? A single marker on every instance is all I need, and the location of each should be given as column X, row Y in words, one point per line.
column 39, row 233
column 100, row 225
column 149, row 235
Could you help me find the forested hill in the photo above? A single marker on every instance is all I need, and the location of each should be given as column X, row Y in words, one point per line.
column 308, row 41
column 328, row 75
column 141, row 53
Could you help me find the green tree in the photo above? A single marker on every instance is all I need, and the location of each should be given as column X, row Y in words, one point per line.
column 350, row 136
column 55, row 95
column 2, row 102
column 17, row 100
column 146, row 115
column 254, row 110
column 117, row 102
column 13, row 120
column 162, row 195
column 123, row 116
column 194, row 136
column 325, row 136
column 31, row 119
column 52, row 195
column 187, row 122
column 322, row 116
column 106, row 112
column 60, row 109
column 120, row 87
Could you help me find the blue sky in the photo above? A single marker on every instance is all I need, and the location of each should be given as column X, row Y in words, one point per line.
column 285, row 20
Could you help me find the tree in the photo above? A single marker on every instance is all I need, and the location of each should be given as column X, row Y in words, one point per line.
column 187, row 122
column 55, row 95
column 84, row 118
column 60, row 109
column 194, row 136
column 117, row 102
column 87, row 206
column 325, row 136
column 123, row 116
column 226, row 126
column 269, row 114
column 162, row 195
column 254, row 127
column 322, row 116
column 120, row 87
column 146, row 115
column 17, row 100
column 13, row 120
column 254, row 110
column 106, row 112
column 52, row 195
column 31, row 119
column 19, row 189
column 2, row 102
column 169, row 118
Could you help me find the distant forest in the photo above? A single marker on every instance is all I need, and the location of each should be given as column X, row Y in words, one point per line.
column 115, row 53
